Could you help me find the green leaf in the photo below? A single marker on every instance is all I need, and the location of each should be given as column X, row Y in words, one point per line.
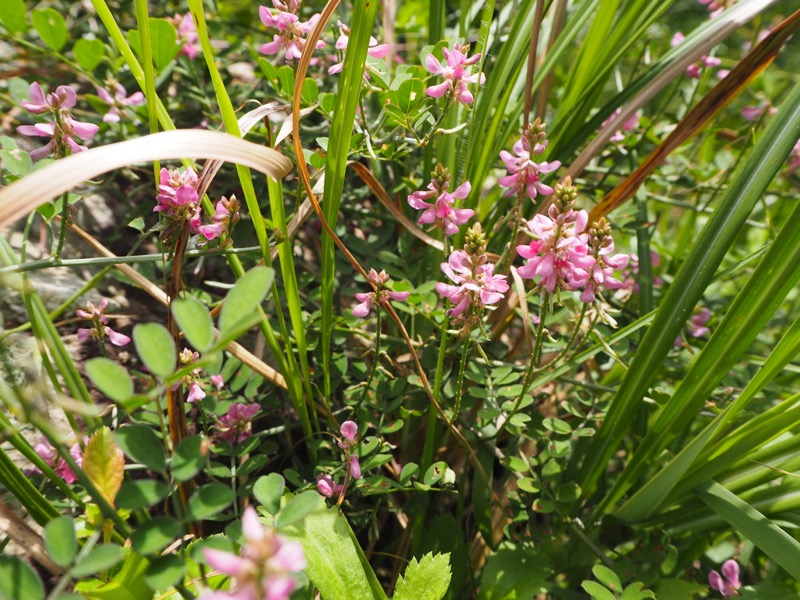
column 51, row 27
column 195, row 322
column 514, row 572
column 89, row 53
column 336, row 565
column 268, row 490
column 13, row 16
column 428, row 579
column 155, row 535
column 142, row 445
column 18, row 580
column 61, row 541
column 409, row 94
column 110, row 378
column 766, row 535
column 141, row 493
column 104, row 463
column 210, row 500
column 310, row 91
column 607, row 577
column 127, row 584
column 298, row 508
column 156, row 348
column 286, row 79
column 245, row 297
column 409, row 471
column 597, row 591
column 189, row 458
column 163, row 41
column 99, row 559
column 556, row 425
column 15, row 160
column 165, row 572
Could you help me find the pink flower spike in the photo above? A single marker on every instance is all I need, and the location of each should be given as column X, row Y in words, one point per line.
column 456, row 73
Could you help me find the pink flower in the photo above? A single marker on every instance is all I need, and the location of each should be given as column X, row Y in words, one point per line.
column 441, row 213
column 694, row 70
column 374, row 50
column 118, row 101
column 195, row 392
column 55, row 462
column 696, row 327
column 235, row 427
column 291, row 31
column 62, row 128
column 456, row 73
column 715, row 7
column 601, row 273
column 349, row 430
column 354, row 467
column 263, row 570
column 523, row 177
column 179, row 202
column 187, row 33
column 100, row 328
column 627, row 126
column 751, row 113
column 327, row 487
column 476, row 284
column 559, row 254
column 728, row 582
column 217, row 382
column 382, row 295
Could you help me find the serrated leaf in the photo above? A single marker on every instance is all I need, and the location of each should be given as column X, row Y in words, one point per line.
column 156, row 348
column 268, row 490
column 104, row 463
column 19, row 580
column 61, row 541
column 89, row 53
column 142, row 445
column 245, row 297
column 195, row 322
column 110, row 378
column 428, row 579
column 13, row 16
column 51, row 27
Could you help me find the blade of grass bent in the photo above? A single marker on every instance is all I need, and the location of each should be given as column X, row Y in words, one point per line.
column 747, row 185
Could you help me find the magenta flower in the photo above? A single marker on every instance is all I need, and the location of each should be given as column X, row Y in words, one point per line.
column 179, row 203
column 559, row 254
column 715, row 7
column 62, row 128
column 456, row 72
column 476, row 284
column 327, row 487
column 441, row 213
column 696, row 327
column 349, row 430
column 291, row 31
column 99, row 328
column 55, row 462
column 354, row 467
column 118, row 101
column 217, row 381
column 264, row 569
column 694, row 70
column 601, row 273
column 728, row 582
column 374, row 49
column 192, row 379
column 187, row 33
column 523, row 173
column 234, row 427
column 381, row 296
column 627, row 126
column 751, row 113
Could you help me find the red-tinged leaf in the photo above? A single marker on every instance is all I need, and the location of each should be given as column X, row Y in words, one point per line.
column 725, row 91
column 104, row 463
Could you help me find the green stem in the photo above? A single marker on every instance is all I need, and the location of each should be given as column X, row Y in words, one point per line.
column 462, row 367
column 375, row 360
column 62, row 232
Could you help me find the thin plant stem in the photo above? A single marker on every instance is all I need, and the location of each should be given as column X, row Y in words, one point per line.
column 374, row 361
column 462, row 367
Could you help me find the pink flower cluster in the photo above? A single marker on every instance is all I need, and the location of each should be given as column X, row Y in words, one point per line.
column 601, row 273
column 523, row 172
column 441, row 213
column 694, row 70
column 62, row 128
column 456, row 73
column 727, row 583
column 696, row 327
column 187, row 357
column 374, row 50
column 55, row 462
column 179, row 202
column 187, row 33
column 326, row 485
column 715, row 7
column 118, row 101
column 235, row 426
column 264, row 569
column 381, row 296
column 291, row 31
column 99, row 328
column 627, row 126
column 476, row 284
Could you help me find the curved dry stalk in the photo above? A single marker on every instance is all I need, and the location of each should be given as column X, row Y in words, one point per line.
column 305, row 178
column 21, row 197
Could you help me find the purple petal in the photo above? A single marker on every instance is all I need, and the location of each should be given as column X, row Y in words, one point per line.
column 437, row 91
column 349, row 430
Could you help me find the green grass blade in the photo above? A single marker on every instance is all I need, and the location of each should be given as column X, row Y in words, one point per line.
column 765, row 534
column 350, row 84
column 748, row 183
